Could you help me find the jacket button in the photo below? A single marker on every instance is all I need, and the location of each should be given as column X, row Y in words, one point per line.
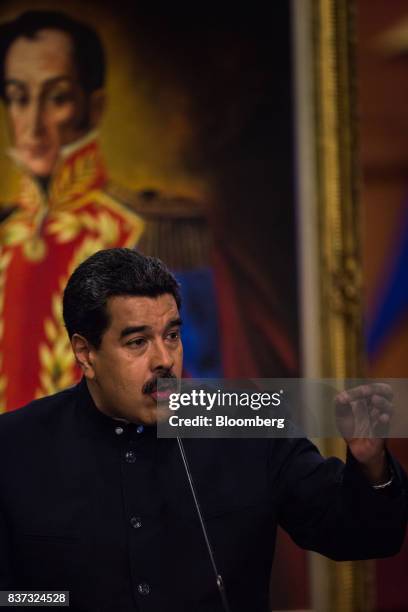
column 130, row 457
column 136, row 522
column 143, row 588
column 119, row 431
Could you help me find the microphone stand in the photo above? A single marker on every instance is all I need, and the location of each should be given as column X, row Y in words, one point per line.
column 218, row 577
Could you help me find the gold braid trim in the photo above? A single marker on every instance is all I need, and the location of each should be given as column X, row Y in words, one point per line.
column 24, row 229
column 66, row 226
column 55, row 354
column 74, row 179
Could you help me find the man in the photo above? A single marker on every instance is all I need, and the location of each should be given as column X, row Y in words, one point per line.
column 92, row 502
column 52, row 76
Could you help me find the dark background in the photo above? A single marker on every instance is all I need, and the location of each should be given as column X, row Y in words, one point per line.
column 235, row 66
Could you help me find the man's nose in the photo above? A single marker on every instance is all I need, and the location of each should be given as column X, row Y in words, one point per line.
column 161, row 356
column 35, row 118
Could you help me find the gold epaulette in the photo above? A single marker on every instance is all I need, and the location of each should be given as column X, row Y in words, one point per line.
column 176, row 227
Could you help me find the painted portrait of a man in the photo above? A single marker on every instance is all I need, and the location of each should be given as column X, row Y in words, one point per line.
column 52, row 76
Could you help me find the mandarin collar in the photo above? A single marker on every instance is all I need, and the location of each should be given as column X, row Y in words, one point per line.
column 94, row 423
column 79, row 170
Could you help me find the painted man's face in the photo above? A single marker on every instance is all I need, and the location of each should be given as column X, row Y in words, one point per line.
column 47, row 108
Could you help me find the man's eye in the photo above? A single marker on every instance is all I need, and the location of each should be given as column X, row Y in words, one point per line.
column 174, row 336
column 138, row 342
column 17, row 100
column 59, row 99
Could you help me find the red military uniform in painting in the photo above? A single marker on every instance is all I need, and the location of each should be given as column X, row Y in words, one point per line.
column 48, row 233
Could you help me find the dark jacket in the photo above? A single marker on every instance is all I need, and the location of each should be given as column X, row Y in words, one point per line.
column 95, row 507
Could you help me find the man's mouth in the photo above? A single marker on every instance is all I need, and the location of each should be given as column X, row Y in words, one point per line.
column 161, row 396
column 38, row 150
column 160, row 392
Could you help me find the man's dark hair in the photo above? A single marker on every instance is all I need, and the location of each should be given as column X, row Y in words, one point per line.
column 109, row 273
column 89, row 56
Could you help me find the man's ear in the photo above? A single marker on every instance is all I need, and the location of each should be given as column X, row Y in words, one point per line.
column 97, row 104
column 83, row 352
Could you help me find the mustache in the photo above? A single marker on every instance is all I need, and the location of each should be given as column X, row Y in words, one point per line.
column 151, row 385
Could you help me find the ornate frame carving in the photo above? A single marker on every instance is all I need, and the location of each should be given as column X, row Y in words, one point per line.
column 329, row 239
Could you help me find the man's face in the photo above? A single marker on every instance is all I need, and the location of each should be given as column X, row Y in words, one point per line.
column 46, row 105
column 141, row 344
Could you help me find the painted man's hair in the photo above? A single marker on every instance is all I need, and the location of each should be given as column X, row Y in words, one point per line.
column 89, row 55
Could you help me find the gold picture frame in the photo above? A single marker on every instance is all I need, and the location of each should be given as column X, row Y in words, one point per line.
column 329, row 240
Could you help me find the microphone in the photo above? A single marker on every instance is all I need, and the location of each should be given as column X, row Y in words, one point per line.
column 218, row 577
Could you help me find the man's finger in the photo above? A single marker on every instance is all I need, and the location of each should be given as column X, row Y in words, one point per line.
column 362, row 421
column 365, row 391
column 382, row 404
column 374, row 414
